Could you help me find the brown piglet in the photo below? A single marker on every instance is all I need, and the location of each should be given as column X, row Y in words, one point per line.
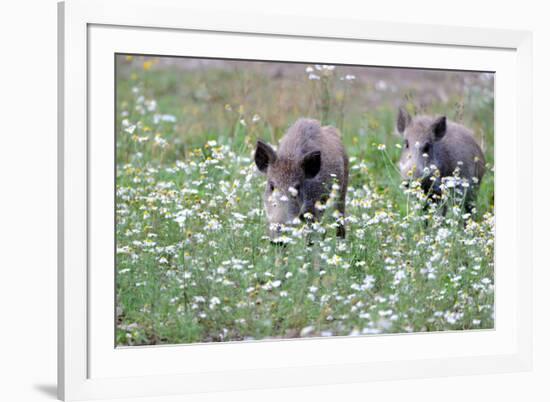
column 434, row 149
column 309, row 160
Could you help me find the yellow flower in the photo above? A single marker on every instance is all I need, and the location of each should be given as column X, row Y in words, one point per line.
column 147, row 65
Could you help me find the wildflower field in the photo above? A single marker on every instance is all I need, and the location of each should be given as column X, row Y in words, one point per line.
column 194, row 262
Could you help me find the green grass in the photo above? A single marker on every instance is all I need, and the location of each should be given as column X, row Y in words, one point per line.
column 193, row 261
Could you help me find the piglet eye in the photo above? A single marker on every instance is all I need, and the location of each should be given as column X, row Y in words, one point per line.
column 271, row 186
column 407, row 144
column 426, row 148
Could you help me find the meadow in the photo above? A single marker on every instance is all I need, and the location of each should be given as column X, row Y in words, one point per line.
column 193, row 260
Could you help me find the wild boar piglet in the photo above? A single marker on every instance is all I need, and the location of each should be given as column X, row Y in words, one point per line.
column 309, row 160
column 434, row 149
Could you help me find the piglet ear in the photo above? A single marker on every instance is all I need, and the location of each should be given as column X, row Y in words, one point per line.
column 311, row 164
column 264, row 156
column 439, row 127
column 403, row 120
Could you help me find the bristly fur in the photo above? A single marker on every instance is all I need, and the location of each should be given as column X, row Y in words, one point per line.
column 310, row 157
column 447, row 145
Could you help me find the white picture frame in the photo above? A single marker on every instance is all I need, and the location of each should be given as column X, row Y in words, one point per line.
column 89, row 365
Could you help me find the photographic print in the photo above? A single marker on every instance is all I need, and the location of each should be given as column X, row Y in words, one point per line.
column 262, row 200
